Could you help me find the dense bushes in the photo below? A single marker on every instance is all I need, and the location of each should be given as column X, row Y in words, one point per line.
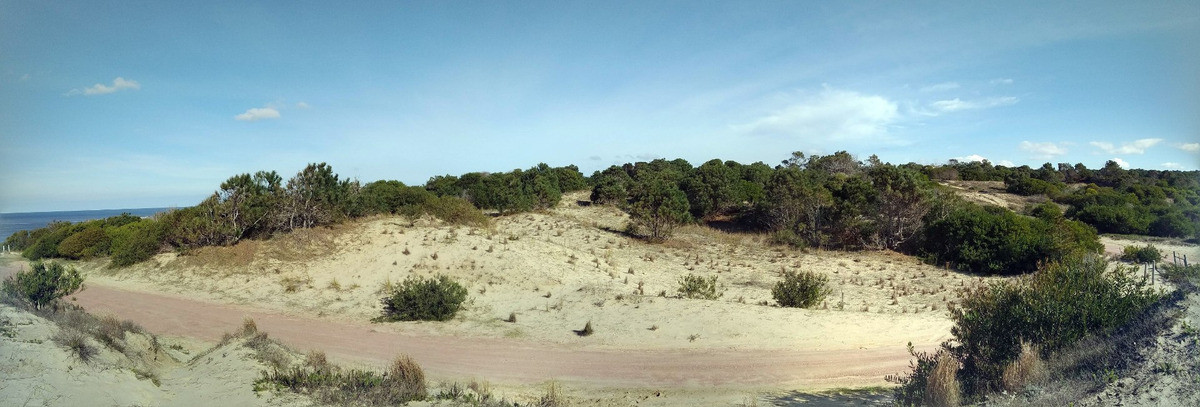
column 539, row 187
column 43, row 283
column 801, row 290
column 416, row 299
column 135, row 242
column 1052, row 309
column 995, row 240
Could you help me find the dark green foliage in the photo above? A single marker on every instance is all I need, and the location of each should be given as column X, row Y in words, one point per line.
column 697, row 287
column 393, row 197
column 90, row 242
column 801, row 289
column 19, row 240
column 1144, row 254
column 44, row 242
column 416, row 299
column 43, row 283
column 994, row 240
column 539, row 187
column 135, row 242
column 1054, row 308
column 656, row 207
column 404, row 382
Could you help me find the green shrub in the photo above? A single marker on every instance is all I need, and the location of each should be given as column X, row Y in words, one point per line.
column 697, row 287
column 1144, row 254
column 417, row 299
column 90, row 242
column 43, row 283
column 801, row 290
column 135, row 242
column 1054, row 308
column 455, row 210
column 994, row 240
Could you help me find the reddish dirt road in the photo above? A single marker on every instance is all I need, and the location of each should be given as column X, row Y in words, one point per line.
column 502, row 360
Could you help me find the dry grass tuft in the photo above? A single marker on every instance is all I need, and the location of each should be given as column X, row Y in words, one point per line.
column 943, row 389
column 1028, row 368
column 553, row 396
column 407, row 376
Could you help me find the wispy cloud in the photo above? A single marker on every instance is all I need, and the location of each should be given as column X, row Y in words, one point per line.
column 957, row 105
column 1043, row 149
column 835, row 114
column 941, row 87
column 1001, row 81
column 1173, row 166
column 118, row 84
column 1190, row 147
column 258, row 113
column 25, row 77
column 302, row 105
column 1135, row 147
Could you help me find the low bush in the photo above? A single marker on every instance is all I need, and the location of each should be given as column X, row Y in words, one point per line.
column 416, row 299
column 697, row 287
column 135, row 242
column 76, row 344
column 402, row 383
column 994, row 240
column 43, row 283
column 1139, row 255
column 90, row 242
column 1054, row 308
column 455, row 210
column 801, row 290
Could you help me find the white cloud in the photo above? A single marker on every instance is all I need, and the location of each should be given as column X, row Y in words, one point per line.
column 941, row 87
column 830, row 114
column 1190, row 147
column 101, row 89
column 1122, row 163
column 971, row 158
column 956, row 104
column 1006, row 163
column 258, row 113
column 302, row 105
column 1173, row 166
column 1001, row 81
column 1136, row 147
column 1043, row 149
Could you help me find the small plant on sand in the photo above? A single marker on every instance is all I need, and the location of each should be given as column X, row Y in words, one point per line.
column 43, row 283
column 512, row 317
column 416, row 299
column 801, row 290
column 697, row 287
column 76, row 344
column 553, row 397
column 587, row 330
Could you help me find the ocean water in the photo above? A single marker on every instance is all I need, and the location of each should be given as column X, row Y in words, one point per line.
column 12, row 222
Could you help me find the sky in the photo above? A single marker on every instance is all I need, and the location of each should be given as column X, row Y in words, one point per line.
column 149, row 104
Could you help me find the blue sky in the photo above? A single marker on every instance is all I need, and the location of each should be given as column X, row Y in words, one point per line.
column 145, row 104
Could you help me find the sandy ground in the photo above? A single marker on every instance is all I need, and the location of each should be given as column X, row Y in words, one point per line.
column 1170, row 372
column 558, row 270
column 555, row 270
column 38, row 372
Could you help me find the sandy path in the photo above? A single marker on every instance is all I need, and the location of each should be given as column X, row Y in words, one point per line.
column 503, row 360
column 506, row 360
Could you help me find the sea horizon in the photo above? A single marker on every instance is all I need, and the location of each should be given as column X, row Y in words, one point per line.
column 11, row 222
